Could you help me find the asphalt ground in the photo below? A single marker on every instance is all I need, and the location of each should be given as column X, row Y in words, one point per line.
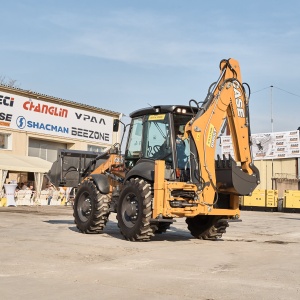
column 43, row 256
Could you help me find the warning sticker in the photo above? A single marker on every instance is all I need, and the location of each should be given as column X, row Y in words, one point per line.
column 156, row 117
column 212, row 134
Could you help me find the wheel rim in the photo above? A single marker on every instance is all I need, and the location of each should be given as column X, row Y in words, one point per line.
column 84, row 207
column 130, row 210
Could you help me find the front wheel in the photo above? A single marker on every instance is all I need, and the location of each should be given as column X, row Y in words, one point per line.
column 134, row 210
column 91, row 209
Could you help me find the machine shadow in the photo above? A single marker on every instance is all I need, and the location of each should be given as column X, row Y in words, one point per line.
column 59, row 221
column 173, row 234
column 288, row 218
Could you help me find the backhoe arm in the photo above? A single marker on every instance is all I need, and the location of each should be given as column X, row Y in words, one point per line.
column 227, row 101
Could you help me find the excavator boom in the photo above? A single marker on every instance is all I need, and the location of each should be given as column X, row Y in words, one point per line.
column 227, row 102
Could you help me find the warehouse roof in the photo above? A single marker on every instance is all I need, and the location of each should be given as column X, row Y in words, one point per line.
column 31, row 94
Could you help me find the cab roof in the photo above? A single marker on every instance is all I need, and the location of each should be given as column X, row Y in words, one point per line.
column 160, row 109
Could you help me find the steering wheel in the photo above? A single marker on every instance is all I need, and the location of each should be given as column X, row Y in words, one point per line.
column 149, row 151
column 156, row 148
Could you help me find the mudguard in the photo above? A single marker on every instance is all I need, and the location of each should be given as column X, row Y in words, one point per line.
column 101, row 182
column 144, row 168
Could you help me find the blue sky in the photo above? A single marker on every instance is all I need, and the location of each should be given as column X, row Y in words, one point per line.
column 124, row 55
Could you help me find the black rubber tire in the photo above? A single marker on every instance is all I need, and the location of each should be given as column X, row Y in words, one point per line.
column 91, row 209
column 207, row 227
column 134, row 210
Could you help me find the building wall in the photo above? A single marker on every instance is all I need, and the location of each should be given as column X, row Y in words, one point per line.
column 285, row 184
column 20, row 141
column 276, row 170
column 76, row 117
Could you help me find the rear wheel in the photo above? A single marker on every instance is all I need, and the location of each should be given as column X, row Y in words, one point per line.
column 207, row 227
column 91, row 209
column 134, row 210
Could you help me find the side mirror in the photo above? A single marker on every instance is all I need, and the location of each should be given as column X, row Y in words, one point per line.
column 116, row 125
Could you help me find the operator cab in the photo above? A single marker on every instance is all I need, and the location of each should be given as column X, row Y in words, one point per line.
column 154, row 136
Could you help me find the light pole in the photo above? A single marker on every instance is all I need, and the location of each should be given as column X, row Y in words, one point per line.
column 272, row 128
column 272, row 123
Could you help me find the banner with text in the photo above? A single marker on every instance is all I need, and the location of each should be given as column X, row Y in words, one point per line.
column 273, row 145
column 33, row 115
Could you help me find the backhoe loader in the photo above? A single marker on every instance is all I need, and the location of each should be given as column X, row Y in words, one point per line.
column 164, row 176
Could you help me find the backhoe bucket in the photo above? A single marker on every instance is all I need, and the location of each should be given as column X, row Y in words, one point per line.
column 229, row 175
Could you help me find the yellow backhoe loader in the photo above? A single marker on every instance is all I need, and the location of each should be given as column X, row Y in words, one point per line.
column 170, row 168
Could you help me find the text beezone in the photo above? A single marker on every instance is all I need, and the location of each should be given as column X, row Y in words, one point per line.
column 90, row 134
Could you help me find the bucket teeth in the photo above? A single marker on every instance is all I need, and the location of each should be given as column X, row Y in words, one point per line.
column 223, row 163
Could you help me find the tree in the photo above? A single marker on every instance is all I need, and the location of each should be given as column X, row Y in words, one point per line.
column 8, row 81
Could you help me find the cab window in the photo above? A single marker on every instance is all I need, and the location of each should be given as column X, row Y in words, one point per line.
column 157, row 138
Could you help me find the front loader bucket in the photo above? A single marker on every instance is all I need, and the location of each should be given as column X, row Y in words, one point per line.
column 229, row 175
column 70, row 164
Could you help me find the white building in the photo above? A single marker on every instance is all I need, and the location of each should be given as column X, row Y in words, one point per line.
column 34, row 126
